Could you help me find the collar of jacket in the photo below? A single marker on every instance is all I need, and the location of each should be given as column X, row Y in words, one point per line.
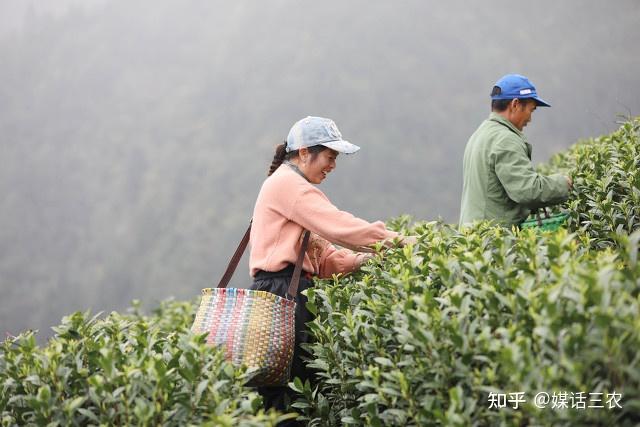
column 296, row 169
column 499, row 119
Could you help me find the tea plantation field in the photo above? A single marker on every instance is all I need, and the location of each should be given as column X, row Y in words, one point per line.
column 478, row 326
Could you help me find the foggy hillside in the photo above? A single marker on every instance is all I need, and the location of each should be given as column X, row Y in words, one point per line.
column 135, row 134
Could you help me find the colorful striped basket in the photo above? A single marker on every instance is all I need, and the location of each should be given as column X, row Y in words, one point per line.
column 254, row 328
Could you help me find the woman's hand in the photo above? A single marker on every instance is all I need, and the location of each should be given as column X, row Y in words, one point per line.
column 408, row 240
column 400, row 241
column 363, row 258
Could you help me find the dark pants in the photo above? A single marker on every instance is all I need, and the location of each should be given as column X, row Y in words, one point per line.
column 280, row 397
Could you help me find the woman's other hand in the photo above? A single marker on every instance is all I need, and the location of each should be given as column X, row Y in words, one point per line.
column 400, row 241
column 408, row 240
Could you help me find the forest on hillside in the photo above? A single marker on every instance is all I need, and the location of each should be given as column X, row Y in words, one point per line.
column 135, row 135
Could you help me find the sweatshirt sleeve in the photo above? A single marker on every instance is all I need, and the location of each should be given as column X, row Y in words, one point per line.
column 331, row 260
column 521, row 181
column 314, row 211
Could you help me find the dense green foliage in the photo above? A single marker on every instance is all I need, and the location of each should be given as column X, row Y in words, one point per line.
column 423, row 337
column 606, row 174
column 124, row 370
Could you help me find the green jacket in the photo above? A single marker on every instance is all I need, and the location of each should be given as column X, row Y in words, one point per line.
column 499, row 181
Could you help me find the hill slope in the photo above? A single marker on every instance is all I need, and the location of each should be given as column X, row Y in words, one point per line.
column 135, row 134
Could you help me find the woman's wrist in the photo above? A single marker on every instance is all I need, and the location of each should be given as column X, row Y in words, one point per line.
column 362, row 258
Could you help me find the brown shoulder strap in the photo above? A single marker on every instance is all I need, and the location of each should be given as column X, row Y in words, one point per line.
column 297, row 271
column 235, row 259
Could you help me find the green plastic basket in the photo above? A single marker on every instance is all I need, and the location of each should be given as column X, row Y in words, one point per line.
column 546, row 223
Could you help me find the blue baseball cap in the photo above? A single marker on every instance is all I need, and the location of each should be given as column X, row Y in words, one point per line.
column 312, row 131
column 517, row 86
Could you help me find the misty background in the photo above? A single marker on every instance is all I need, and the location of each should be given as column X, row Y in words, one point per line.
column 135, row 135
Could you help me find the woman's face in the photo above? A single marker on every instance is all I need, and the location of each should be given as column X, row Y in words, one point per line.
column 316, row 170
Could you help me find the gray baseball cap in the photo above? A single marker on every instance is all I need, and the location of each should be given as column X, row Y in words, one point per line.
column 312, row 131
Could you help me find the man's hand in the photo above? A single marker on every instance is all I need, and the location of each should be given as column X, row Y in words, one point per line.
column 569, row 182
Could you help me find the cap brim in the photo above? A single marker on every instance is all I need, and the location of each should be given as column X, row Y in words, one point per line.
column 344, row 147
column 541, row 103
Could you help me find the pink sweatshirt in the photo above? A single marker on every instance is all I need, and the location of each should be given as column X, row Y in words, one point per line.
column 288, row 204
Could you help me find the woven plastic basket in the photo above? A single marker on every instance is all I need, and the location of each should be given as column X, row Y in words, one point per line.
column 255, row 328
column 546, row 223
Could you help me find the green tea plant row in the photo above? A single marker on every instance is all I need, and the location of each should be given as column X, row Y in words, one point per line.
column 425, row 335
column 606, row 174
column 125, row 370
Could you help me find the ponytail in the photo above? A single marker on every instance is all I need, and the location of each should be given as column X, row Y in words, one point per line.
column 278, row 158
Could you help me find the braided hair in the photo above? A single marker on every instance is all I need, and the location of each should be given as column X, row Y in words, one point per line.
column 280, row 156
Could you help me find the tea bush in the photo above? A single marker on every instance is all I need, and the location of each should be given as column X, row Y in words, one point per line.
column 124, row 370
column 423, row 336
column 606, row 175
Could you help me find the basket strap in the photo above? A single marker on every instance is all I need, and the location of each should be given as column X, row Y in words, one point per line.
column 235, row 260
column 539, row 218
column 297, row 271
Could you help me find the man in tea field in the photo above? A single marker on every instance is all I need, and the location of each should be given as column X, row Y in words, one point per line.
column 499, row 181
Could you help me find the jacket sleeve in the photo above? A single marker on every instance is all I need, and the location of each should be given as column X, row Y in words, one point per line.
column 313, row 211
column 331, row 260
column 521, row 181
